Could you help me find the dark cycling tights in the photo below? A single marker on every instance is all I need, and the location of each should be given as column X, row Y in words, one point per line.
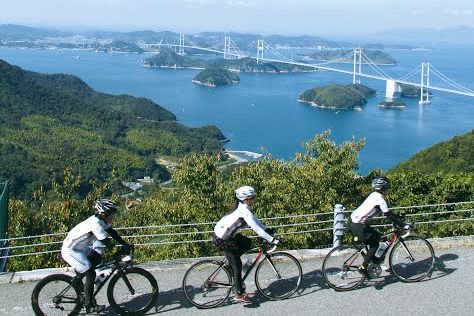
column 236, row 264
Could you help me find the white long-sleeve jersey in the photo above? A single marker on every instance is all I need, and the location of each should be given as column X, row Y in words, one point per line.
column 239, row 219
column 371, row 207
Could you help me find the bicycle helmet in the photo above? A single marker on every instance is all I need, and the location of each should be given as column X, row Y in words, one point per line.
column 380, row 184
column 245, row 192
column 105, row 206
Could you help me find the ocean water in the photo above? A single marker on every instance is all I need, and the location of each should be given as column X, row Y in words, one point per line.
column 262, row 113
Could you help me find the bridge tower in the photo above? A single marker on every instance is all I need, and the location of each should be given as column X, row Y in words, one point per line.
column 259, row 50
column 357, row 59
column 181, row 44
column 227, row 54
column 425, row 88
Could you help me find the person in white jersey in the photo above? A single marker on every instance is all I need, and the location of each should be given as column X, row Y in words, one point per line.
column 227, row 237
column 84, row 246
column 373, row 205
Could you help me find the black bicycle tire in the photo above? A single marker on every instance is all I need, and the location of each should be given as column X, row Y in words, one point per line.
column 426, row 273
column 325, row 271
column 123, row 311
column 51, row 278
column 194, row 266
column 298, row 283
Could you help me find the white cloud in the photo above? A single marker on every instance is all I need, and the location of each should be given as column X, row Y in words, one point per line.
column 239, row 3
column 418, row 12
column 457, row 12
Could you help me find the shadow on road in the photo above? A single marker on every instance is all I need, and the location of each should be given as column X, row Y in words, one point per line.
column 439, row 270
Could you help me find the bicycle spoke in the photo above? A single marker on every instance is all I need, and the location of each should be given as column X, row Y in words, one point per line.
column 54, row 295
column 213, row 291
column 132, row 292
column 412, row 260
column 340, row 268
column 278, row 276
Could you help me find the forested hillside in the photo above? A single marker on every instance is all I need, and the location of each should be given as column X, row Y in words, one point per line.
column 454, row 155
column 50, row 122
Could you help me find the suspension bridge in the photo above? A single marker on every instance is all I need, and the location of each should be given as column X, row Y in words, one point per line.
column 265, row 53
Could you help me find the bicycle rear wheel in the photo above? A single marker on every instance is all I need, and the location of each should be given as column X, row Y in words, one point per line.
column 340, row 268
column 278, row 276
column 132, row 293
column 56, row 294
column 207, row 284
column 412, row 259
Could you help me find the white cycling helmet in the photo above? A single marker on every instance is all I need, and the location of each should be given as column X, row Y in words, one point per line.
column 380, row 184
column 245, row 192
column 105, row 206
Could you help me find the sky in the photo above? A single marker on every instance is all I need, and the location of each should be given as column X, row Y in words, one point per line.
column 288, row 17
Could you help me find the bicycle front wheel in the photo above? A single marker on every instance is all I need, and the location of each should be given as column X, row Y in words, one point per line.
column 412, row 259
column 56, row 295
column 278, row 276
column 207, row 284
column 133, row 292
column 340, row 268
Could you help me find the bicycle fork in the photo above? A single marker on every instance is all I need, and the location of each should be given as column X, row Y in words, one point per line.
column 410, row 256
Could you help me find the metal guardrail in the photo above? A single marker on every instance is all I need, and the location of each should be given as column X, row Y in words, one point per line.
column 298, row 224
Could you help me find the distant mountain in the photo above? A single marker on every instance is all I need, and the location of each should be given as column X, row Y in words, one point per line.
column 459, row 34
column 20, row 32
column 244, row 41
column 49, row 122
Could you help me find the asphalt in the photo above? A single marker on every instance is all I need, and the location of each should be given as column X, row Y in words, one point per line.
column 447, row 292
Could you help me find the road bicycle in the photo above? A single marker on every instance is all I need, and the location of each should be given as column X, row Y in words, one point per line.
column 208, row 283
column 411, row 259
column 131, row 290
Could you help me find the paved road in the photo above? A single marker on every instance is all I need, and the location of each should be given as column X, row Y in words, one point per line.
column 449, row 291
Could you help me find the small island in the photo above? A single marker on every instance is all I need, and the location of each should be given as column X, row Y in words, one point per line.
column 213, row 77
column 392, row 104
column 120, row 47
column 409, row 91
column 377, row 56
column 335, row 96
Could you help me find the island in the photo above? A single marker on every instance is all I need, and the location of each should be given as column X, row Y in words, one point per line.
column 213, row 77
column 377, row 56
column 121, row 47
column 351, row 96
column 167, row 58
column 392, row 104
column 409, row 91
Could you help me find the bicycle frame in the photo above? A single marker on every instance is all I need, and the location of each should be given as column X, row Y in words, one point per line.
column 116, row 265
column 261, row 251
column 393, row 236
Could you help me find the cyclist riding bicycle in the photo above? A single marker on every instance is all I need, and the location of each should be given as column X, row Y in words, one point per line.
column 373, row 205
column 228, row 239
column 84, row 246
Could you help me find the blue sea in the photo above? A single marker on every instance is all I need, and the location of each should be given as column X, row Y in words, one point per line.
column 262, row 114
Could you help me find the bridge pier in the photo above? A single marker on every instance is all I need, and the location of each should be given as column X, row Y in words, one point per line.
column 392, row 89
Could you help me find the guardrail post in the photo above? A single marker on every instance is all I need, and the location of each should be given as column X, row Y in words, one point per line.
column 3, row 224
column 339, row 224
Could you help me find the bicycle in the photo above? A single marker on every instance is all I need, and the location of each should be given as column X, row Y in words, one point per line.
column 131, row 290
column 411, row 260
column 208, row 283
